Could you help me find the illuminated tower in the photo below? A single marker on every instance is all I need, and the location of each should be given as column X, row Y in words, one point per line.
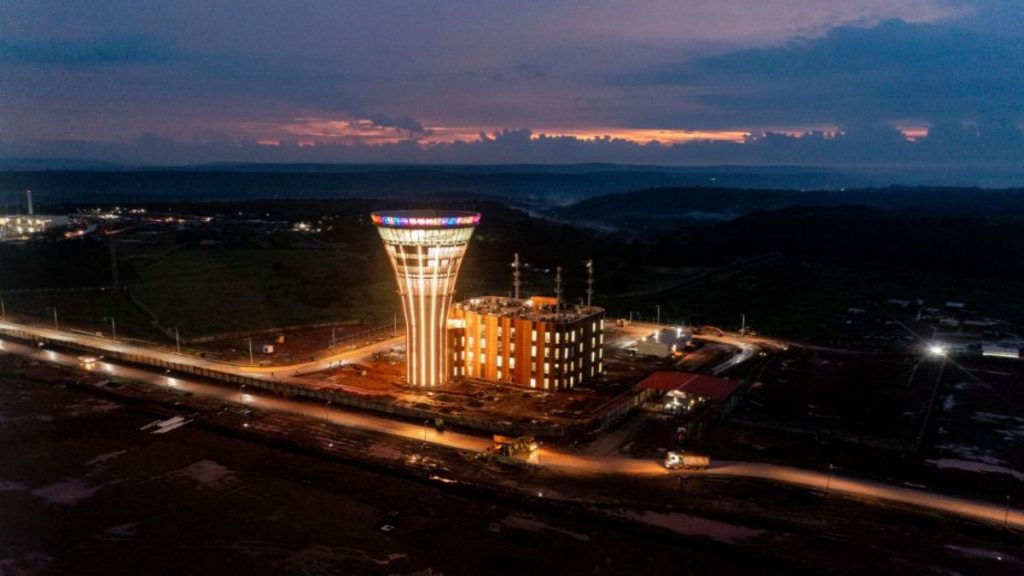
column 426, row 248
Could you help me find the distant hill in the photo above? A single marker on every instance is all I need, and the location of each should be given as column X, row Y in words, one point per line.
column 908, row 239
column 526, row 185
column 660, row 209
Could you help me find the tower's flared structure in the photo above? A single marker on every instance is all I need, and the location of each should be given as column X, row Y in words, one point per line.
column 425, row 248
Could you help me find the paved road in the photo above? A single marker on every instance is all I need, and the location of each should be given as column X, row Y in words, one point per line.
column 247, row 396
column 547, row 457
column 276, row 373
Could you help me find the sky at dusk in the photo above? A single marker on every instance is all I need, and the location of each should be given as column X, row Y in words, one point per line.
column 689, row 82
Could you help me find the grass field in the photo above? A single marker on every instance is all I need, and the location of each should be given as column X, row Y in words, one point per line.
column 211, row 291
column 792, row 297
column 83, row 309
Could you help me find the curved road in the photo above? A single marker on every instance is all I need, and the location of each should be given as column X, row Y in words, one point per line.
column 566, row 461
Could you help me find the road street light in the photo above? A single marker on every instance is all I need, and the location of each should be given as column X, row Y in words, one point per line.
column 828, row 477
column 3, row 309
column 113, row 326
column 56, row 326
column 425, row 422
column 252, row 360
column 167, row 374
column 241, row 395
column 177, row 339
column 658, row 307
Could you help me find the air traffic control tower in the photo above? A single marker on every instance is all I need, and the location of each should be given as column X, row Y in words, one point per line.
column 426, row 248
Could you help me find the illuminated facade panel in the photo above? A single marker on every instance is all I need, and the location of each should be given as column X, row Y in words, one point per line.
column 534, row 343
column 425, row 248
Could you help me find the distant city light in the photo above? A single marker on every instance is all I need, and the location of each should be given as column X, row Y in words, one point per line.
column 937, row 350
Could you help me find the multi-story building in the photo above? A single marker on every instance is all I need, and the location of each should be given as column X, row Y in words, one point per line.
column 535, row 343
column 425, row 248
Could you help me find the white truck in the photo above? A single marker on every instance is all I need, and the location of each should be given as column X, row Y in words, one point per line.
column 677, row 460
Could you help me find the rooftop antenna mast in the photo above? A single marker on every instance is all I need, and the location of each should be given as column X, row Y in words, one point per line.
column 515, row 276
column 113, row 262
column 590, row 281
column 558, row 289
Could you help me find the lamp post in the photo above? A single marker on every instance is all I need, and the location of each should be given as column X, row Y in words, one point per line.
column 241, row 395
column 3, row 309
column 177, row 340
column 56, row 326
column 113, row 326
column 167, row 379
column 658, row 308
column 425, row 422
column 828, row 477
column 252, row 360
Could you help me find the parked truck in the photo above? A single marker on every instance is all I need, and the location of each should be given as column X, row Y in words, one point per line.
column 506, row 446
column 677, row 460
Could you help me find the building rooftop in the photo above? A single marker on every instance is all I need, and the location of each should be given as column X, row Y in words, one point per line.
column 694, row 384
column 537, row 308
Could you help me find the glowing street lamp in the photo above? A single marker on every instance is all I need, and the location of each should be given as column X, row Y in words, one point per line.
column 113, row 326
column 425, row 248
column 56, row 326
column 828, row 477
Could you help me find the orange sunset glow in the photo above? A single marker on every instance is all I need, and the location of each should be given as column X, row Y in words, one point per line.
column 308, row 131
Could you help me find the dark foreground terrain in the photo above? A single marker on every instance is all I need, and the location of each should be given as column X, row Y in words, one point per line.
column 84, row 491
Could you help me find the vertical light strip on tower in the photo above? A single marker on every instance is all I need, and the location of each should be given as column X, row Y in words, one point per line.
column 425, row 248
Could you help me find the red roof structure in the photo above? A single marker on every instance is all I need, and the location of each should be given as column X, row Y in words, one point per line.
column 709, row 387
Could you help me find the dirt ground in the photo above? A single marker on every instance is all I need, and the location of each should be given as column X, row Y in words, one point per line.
column 977, row 427
column 289, row 346
column 84, row 490
column 882, row 397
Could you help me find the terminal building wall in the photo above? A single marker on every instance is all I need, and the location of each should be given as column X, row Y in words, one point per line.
column 554, row 351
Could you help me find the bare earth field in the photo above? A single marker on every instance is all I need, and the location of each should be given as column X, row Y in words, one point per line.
column 83, row 490
column 121, row 501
